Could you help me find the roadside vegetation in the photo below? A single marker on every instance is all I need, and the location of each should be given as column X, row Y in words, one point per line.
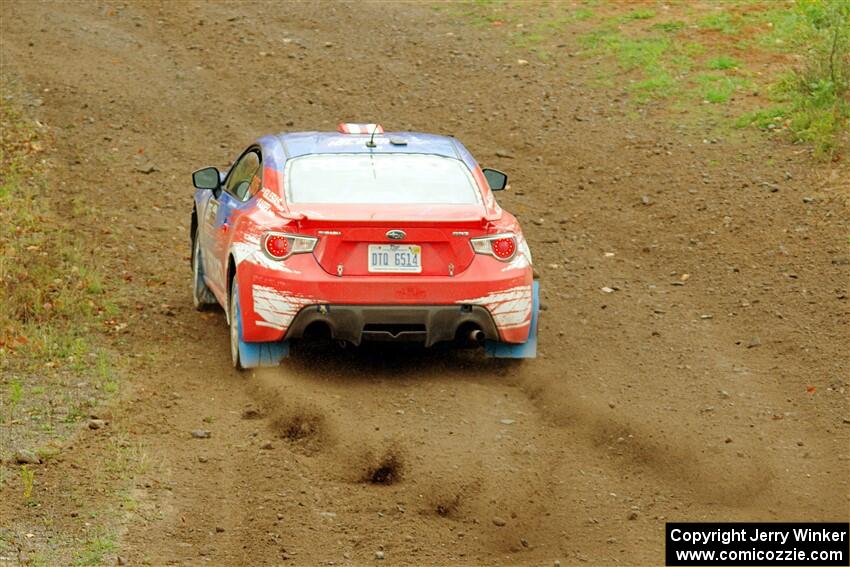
column 51, row 317
column 782, row 66
column 813, row 100
column 56, row 367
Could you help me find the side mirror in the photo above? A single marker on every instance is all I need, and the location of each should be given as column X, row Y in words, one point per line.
column 495, row 179
column 207, row 178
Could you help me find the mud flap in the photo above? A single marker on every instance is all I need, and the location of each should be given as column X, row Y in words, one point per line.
column 259, row 355
column 528, row 349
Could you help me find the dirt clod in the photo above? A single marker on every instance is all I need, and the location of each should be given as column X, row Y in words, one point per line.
column 27, row 457
column 298, row 426
column 252, row 413
column 386, row 471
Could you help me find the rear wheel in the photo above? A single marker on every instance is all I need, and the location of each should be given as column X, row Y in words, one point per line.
column 235, row 325
column 202, row 297
column 250, row 355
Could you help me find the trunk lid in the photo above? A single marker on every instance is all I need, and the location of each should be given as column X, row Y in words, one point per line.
column 435, row 239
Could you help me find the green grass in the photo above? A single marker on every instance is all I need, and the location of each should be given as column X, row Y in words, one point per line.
column 723, row 62
column 784, row 27
column 16, row 392
column 53, row 293
column 46, row 280
column 54, row 307
column 642, row 14
column 27, row 482
column 95, row 550
column 813, row 97
column 525, row 40
column 645, row 53
column 581, row 14
column 558, row 21
column 693, row 49
column 554, row 23
column 672, row 56
column 657, row 58
column 718, row 88
column 659, row 86
column 721, row 22
column 630, row 53
column 669, row 27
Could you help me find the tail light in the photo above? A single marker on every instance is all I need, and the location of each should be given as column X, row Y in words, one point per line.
column 279, row 245
column 501, row 246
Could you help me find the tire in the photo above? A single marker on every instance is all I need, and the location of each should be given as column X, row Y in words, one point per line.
column 250, row 355
column 235, row 324
column 202, row 297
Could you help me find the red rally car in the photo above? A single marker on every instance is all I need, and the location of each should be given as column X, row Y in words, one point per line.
column 361, row 235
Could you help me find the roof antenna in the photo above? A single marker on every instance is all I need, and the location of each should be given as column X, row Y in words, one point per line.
column 371, row 142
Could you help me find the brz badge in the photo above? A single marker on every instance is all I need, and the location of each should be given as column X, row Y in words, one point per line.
column 396, row 234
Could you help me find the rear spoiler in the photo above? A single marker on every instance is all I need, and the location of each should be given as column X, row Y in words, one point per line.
column 298, row 217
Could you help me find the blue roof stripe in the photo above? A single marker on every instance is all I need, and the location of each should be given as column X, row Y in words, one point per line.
column 277, row 148
column 274, row 154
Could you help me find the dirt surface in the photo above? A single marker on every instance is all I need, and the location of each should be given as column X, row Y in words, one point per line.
column 711, row 384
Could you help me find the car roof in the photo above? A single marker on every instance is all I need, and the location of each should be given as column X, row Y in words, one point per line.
column 277, row 148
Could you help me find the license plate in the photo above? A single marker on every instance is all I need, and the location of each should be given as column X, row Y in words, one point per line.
column 395, row 258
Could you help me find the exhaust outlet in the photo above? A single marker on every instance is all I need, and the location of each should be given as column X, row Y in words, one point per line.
column 476, row 335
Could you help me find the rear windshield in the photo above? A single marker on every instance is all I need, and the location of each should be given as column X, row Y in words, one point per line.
column 379, row 179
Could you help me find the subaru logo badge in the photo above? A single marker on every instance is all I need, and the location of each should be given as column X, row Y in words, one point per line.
column 396, row 234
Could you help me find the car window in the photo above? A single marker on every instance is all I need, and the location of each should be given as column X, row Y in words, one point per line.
column 379, row 179
column 239, row 182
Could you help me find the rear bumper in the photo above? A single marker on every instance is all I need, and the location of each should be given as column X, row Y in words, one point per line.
column 280, row 299
column 429, row 324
